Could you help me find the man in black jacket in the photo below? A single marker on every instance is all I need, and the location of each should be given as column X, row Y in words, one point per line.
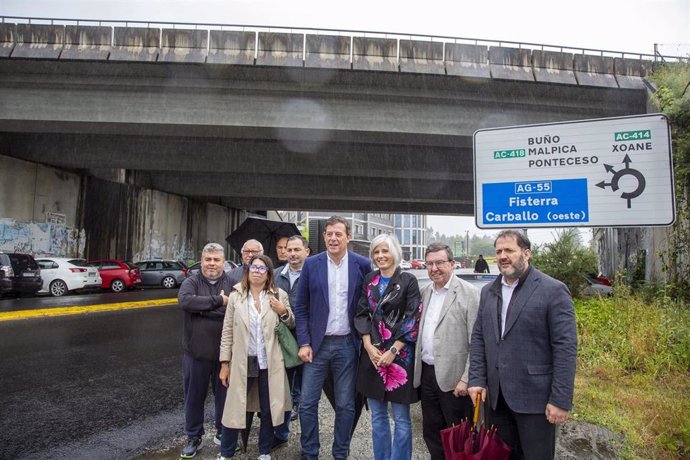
column 203, row 298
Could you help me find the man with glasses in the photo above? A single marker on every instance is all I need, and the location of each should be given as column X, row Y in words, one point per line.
column 250, row 248
column 442, row 359
column 203, row 298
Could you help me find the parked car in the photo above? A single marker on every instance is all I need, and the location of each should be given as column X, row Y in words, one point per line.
column 117, row 275
column 195, row 267
column 166, row 273
column 405, row 265
column 596, row 287
column 477, row 279
column 417, row 264
column 63, row 274
column 19, row 274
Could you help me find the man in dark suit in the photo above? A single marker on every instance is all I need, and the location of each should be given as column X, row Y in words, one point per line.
column 327, row 296
column 523, row 351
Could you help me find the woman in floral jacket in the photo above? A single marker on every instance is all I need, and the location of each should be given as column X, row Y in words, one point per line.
column 387, row 319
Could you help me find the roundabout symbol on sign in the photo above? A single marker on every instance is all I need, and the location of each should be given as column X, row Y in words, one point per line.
column 617, row 175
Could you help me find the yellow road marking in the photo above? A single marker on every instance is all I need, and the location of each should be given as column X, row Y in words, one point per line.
column 79, row 310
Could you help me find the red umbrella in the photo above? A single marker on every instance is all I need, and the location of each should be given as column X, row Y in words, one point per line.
column 465, row 442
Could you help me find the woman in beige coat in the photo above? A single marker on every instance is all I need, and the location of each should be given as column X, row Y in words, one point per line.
column 251, row 359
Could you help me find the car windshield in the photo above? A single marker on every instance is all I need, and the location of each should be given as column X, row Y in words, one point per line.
column 130, row 265
column 22, row 262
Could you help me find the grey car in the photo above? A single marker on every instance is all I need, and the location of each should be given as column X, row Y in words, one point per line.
column 166, row 273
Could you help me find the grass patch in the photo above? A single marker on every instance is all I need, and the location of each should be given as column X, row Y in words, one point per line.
column 633, row 374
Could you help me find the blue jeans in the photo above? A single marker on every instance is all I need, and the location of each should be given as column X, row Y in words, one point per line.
column 228, row 440
column 338, row 354
column 400, row 447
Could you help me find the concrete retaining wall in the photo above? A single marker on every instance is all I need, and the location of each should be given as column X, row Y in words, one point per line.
column 39, row 41
column 42, row 214
column 594, row 71
column 87, row 43
column 553, row 67
column 379, row 54
column 421, row 57
column 280, row 49
column 232, row 47
column 510, row 63
column 467, row 60
column 8, row 37
column 135, row 44
column 184, row 45
column 328, row 51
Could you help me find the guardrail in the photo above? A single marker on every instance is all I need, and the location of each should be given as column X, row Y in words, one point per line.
column 363, row 33
column 232, row 44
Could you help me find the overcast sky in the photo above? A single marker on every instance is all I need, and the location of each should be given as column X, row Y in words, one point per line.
column 617, row 25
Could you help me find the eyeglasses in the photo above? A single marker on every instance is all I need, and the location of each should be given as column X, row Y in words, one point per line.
column 250, row 251
column 258, row 268
column 438, row 264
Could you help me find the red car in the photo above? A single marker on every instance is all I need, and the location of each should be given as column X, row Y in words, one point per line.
column 117, row 275
column 417, row 264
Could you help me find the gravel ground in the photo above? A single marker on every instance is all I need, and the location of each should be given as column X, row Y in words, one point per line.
column 360, row 447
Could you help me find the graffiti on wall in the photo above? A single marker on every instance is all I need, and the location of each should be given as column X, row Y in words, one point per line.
column 41, row 239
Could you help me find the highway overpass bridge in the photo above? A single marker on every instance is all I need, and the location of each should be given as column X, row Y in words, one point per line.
column 253, row 118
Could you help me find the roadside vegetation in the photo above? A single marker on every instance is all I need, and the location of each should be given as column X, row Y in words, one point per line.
column 633, row 371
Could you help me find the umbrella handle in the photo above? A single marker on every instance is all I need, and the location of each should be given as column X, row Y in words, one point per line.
column 476, row 409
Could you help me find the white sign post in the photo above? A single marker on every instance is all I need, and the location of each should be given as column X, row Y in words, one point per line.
column 611, row 172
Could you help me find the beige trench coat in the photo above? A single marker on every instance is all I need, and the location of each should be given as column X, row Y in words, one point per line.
column 234, row 343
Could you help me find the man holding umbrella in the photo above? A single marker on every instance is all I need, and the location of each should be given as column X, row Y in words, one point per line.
column 523, row 351
column 250, row 248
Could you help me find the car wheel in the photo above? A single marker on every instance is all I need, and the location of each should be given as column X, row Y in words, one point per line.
column 169, row 282
column 58, row 288
column 117, row 286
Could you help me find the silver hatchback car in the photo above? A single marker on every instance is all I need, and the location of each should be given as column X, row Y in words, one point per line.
column 166, row 273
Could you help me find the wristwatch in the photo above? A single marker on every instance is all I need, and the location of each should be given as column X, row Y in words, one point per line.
column 393, row 350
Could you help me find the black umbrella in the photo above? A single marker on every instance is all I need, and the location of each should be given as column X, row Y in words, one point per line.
column 267, row 232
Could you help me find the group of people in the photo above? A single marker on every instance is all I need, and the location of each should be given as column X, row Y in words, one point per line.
column 364, row 328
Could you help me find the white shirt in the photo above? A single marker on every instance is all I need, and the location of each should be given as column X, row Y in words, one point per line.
column 433, row 311
column 257, row 347
column 507, row 293
column 338, row 321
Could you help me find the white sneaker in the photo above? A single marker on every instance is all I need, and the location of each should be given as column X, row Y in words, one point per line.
column 264, row 457
column 220, row 457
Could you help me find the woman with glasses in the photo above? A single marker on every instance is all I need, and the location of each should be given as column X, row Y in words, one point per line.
column 387, row 319
column 251, row 359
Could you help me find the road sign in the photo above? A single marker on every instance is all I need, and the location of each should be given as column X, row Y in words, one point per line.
column 610, row 172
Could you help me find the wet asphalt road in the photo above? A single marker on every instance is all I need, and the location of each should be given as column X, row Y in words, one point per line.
column 100, row 385
column 65, row 380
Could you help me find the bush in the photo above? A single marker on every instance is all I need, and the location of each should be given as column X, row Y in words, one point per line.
column 566, row 259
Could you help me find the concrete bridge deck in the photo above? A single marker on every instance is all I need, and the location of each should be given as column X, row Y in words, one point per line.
column 261, row 119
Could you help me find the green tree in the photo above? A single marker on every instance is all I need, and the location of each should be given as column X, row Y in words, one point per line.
column 566, row 259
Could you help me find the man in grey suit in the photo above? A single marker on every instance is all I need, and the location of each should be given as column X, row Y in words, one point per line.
column 442, row 358
column 523, row 351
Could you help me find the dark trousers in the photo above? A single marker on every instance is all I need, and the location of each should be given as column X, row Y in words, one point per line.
column 196, row 375
column 440, row 409
column 228, row 442
column 531, row 436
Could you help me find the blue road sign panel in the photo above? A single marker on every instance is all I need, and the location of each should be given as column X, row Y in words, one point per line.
column 536, row 202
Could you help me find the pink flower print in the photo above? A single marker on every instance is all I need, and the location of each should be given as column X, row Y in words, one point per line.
column 375, row 281
column 385, row 333
column 393, row 376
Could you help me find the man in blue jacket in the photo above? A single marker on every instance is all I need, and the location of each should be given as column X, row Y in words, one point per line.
column 329, row 289
column 523, row 351
column 203, row 298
